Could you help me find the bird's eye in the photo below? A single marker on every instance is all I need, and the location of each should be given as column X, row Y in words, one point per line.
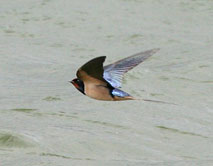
column 78, row 81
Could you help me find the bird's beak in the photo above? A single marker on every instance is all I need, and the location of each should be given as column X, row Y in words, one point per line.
column 75, row 84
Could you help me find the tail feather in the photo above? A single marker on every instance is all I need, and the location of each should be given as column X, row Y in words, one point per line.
column 156, row 101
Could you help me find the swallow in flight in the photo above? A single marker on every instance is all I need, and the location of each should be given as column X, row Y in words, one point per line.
column 102, row 82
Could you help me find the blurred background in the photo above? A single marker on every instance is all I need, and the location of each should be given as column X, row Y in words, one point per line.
column 45, row 121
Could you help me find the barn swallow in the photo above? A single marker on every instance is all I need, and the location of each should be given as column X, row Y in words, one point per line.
column 102, row 82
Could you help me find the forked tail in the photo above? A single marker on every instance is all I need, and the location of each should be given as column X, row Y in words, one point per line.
column 155, row 101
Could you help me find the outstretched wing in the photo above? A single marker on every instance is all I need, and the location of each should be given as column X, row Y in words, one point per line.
column 113, row 73
column 92, row 69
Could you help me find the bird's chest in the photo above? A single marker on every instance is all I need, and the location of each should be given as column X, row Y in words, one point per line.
column 97, row 91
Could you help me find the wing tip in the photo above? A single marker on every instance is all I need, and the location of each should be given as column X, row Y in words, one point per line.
column 99, row 57
column 154, row 50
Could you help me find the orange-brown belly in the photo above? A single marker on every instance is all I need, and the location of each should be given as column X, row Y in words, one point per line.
column 98, row 92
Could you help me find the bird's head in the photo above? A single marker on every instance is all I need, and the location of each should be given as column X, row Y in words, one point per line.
column 78, row 84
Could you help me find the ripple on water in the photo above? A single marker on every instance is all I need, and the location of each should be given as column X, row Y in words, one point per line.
column 106, row 124
column 26, row 110
column 180, row 132
column 9, row 140
column 51, row 98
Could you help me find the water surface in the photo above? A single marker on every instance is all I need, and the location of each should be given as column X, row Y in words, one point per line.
column 46, row 121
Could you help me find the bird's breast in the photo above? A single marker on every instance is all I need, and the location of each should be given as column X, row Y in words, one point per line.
column 97, row 91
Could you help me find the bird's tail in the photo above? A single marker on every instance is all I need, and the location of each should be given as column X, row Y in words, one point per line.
column 155, row 101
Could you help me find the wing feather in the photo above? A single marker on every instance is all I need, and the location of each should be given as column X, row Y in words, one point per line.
column 93, row 68
column 113, row 73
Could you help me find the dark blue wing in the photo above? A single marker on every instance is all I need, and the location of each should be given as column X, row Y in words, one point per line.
column 113, row 73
